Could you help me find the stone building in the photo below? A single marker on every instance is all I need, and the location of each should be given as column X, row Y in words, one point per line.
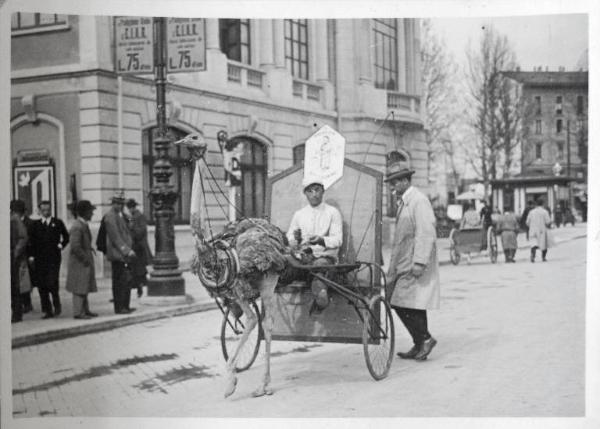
column 554, row 148
column 79, row 131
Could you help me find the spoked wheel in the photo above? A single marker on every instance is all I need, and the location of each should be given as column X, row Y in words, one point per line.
column 492, row 245
column 378, row 337
column 454, row 253
column 231, row 333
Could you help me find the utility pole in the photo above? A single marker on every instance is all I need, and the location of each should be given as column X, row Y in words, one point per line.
column 569, row 163
column 165, row 279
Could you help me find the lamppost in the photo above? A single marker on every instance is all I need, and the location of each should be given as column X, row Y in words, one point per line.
column 165, row 278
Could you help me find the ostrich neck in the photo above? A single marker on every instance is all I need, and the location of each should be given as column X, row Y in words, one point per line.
column 198, row 205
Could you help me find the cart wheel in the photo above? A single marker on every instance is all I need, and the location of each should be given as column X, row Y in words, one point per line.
column 454, row 253
column 231, row 332
column 378, row 337
column 492, row 245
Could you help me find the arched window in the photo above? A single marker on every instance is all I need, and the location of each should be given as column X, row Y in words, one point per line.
column 250, row 196
column 298, row 153
column 183, row 173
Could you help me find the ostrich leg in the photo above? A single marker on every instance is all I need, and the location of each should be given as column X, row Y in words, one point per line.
column 252, row 321
column 267, row 295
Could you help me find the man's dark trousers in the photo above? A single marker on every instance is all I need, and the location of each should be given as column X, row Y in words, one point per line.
column 47, row 280
column 121, row 286
column 15, row 292
column 415, row 321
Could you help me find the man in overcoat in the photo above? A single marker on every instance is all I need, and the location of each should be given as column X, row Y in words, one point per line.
column 139, row 234
column 120, row 253
column 49, row 236
column 413, row 269
column 81, row 276
column 508, row 225
column 18, row 244
column 538, row 222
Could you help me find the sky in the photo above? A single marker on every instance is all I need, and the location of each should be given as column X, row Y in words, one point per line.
column 542, row 40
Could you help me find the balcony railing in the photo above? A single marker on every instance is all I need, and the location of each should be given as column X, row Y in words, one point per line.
column 406, row 102
column 244, row 74
column 306, row 90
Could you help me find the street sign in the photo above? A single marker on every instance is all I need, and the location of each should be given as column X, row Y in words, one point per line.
column 186, row 47
column 324, row 156
column 134, row 45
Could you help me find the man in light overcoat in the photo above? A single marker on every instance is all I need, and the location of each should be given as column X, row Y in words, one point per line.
column 538, row 222
column 413, row 269
column 81, row 275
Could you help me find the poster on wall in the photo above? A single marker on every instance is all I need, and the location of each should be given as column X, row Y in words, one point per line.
column 32, row 184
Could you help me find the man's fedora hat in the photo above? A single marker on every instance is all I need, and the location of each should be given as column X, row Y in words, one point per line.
column 82, row 206
column 397, row 170
column 118, row 197
column 131, row 202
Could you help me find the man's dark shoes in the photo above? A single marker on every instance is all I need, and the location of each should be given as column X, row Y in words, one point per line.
column 426, row 348
column 16, row 319
column 91, row 314
column 82, row 317
column 48, row 316
column 57, row 310
column 411, row 353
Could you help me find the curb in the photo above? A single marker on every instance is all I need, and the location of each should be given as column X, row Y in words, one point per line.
column 59, row 334
column 576, row 237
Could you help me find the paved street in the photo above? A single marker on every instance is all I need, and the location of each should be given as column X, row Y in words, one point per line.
column 511, row 343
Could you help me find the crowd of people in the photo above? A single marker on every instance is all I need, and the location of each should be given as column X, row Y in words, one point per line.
column 535, row 221
column 36, row 250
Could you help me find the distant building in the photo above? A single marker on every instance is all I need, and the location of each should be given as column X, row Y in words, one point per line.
column 554, row 147
column 269, row 83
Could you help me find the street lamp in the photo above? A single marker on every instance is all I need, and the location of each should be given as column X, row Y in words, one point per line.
column 165, row 278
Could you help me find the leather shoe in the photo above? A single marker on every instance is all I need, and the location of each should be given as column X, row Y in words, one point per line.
column 426, row 348
column 57, row 310
column 48, row 316
column 82, row 317
column 411, row 353
column 89, row 313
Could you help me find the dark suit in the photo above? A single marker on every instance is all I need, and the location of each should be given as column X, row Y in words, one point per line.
column 26, row 296
column 47, row 241
column 143, row 256
column 18, row 243
column 118, row 245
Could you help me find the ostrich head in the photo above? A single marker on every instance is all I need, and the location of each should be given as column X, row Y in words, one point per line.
column 195, row 144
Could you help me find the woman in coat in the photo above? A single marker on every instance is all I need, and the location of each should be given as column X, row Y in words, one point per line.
column 538, row 221
column 413, row 266
column 81, row 276
column 508, row 225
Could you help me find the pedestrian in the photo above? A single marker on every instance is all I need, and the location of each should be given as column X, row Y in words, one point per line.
column 49, row 237
column 523, row 220
column 120, row 253
column 26, row 281
column 508, row 225
column 538, row 221
column 138, row 226
column 486, row 221
column 81, row 274
column 413, row 269
column 18, row 244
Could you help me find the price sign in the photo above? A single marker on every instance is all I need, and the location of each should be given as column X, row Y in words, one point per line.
column 134, row 48
column 186, row 46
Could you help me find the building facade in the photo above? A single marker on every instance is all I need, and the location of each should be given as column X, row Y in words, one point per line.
column 555, row 144
column 80, row 131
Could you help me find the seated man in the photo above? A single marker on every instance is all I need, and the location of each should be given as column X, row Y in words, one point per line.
column 317, row 228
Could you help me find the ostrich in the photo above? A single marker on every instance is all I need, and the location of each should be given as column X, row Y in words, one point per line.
column 253, row 250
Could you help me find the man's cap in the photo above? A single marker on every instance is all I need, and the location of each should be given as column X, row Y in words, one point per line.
column 306, row 182
column 118, row 197
column 398, row 170
column 131, row 202
column 83, row 206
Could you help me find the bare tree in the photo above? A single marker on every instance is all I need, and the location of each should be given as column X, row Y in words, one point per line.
column 438, row 71
column 496, row 105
